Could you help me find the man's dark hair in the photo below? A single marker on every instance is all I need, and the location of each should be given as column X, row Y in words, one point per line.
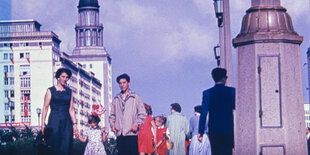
column 93, row 119
column 123, row 76
column 218, row 74
column 63, row 70
column 176, row 107
column 198, row 108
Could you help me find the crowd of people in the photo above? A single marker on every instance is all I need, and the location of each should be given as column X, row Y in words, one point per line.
column 209, row 131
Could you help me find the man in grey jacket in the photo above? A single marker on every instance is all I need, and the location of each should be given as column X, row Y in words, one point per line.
column 127, row 113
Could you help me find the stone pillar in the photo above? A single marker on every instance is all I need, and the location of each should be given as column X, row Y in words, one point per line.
column 269, row 117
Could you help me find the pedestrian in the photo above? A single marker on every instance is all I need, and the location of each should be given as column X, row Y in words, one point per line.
column 62, row 122
column 95, row 136
column 219, row 103
column 308, row 139
column 162, row 134
column 179, row 127
column 196, row 147
column 127, row 113
column 145, row 135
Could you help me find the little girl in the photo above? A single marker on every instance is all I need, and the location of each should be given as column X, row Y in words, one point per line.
column 95, row 137
column 162, row 133
column 145, row 135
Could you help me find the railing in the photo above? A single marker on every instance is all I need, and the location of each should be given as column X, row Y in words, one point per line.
column 23, row 34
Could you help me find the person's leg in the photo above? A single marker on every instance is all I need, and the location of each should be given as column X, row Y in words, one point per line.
column 121, row 145
column 133, row 141
column 215, row 145
column 227, row 143
column 130, row 145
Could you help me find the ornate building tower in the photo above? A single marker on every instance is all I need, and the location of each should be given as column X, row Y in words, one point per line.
column 90, row 52
column 269, row 116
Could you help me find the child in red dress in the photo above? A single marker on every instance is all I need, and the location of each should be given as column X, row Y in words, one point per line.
column 145, row 135
column 162, row 133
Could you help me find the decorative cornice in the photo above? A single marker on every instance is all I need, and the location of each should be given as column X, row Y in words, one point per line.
column 269, row 24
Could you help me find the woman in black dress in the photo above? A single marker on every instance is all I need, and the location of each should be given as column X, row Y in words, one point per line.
column 61, row 121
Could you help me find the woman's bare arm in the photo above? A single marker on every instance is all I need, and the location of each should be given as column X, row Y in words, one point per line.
column 47, row 100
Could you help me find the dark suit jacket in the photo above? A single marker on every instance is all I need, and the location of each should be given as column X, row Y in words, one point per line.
column 219, row 102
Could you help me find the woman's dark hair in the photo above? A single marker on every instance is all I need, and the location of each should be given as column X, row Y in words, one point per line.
column 176, row 107
column 162, row 119
column 123, row 76
column 148, row 109
column 218, row 74
column 93, row 119
column 63, row 70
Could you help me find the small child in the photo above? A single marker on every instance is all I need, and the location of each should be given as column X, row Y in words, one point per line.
column 145, row 135
column 95, row 137
column 162, row 133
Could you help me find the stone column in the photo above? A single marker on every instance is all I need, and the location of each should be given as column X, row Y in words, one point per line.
column 269, row 117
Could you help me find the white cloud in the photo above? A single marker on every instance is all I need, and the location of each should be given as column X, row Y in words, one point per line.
column 158, row 37
column 296, row 8
column 191, row 40
column 205, row 6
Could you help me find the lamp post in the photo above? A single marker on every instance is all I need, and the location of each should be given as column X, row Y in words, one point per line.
column 222, row 14
column 219, row 12
column 217, row 54
column 308, row 65
column 38, row 112
column 219, row 9
column 11, row 106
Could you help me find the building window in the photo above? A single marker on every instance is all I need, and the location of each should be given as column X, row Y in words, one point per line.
column 21, row 55
column 6, row 68
column 24, row 69
column 12, row 93
column 11, row 56
column 29, row 107
column 5, row 45
column 82, row 38
column 26, row 118
column 87, row 37
column 22, row 108
column 6, row 93
column 24, row 93
column 90, row 65
column 5, row 56
column 25, row 82
column 6, row 81
column 6, row 106
column 11, row 81
column 84, row 66
column 6, row 119
column 27, row 44
column 11, row 68
column 27, row 55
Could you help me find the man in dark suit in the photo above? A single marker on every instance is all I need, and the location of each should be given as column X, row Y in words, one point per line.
column 219, row 102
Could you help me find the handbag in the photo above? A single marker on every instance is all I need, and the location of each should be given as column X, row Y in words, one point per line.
column 40, row 141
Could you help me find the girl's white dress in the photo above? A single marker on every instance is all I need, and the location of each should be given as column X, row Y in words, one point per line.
column 95, row 145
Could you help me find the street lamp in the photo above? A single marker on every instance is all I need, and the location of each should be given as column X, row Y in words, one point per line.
column 219, row 9
column 217, row 54
column 11, row 106
column 38, row 112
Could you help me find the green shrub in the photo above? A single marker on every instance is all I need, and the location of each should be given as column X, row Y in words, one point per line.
column 23, row 145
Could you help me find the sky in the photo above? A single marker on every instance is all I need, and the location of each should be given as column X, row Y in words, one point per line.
column 166, row 46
